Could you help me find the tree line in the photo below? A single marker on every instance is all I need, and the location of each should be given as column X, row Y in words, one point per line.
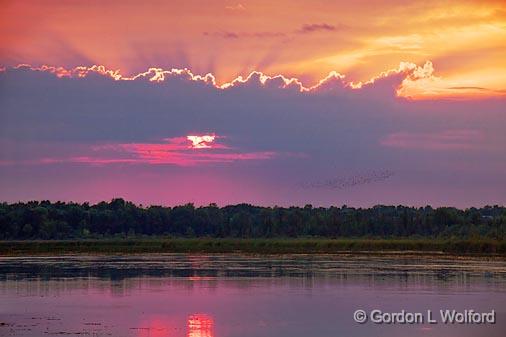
column 120, row 218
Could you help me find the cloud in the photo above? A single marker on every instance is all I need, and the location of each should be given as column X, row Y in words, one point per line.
column 180, row 151
column 62, row 127
column 318, row 27
column 441, row 141
column 240, row 35
column 395, row 81
column 304, row 29
column 183, row 151
column 236, row 8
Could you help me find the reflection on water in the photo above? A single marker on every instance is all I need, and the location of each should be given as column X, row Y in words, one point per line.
column 197, row 325
column 200, row 325
column 234, row 265
column 246, row 296
column 154, row 327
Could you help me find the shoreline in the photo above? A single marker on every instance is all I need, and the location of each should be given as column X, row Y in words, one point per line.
column 477, row 247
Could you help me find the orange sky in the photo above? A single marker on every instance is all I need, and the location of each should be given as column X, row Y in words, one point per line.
column 465, row 40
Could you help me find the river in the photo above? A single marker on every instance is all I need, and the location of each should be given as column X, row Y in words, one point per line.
column 188, row 295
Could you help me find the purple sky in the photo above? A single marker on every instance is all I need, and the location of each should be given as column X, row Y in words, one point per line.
column 93, row 138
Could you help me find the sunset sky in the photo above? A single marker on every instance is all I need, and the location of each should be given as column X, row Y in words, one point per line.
column 265, row 102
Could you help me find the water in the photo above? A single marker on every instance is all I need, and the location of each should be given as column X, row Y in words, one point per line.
column 180, row 295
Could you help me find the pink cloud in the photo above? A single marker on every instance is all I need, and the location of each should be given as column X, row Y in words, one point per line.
column 181, row 151
column 189, row 150
column 443, row 140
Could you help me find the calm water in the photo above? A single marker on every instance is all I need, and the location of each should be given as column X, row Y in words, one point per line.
column 245, row 296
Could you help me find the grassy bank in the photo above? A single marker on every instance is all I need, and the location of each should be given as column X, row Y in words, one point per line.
column 250, row 246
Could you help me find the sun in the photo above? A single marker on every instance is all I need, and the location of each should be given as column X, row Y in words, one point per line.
column 201, row 142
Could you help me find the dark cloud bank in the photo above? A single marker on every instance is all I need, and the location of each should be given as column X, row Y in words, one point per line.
column 442, row 151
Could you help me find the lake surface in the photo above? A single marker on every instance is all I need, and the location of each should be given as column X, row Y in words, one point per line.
column 245, row 296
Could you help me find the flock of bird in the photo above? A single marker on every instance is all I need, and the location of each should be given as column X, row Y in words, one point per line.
column 351, row 181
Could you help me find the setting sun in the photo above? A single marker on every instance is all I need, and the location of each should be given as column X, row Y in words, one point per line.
column 201, row 142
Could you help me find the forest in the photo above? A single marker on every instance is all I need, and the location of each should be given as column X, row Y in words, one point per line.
column 119, row 218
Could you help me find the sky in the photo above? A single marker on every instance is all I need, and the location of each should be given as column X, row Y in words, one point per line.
column 271, row 103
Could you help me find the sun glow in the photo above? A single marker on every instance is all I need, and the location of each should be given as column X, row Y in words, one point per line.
column 464, row 39
column 201, row 142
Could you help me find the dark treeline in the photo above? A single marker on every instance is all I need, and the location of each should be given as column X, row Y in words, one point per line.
column 47, row 220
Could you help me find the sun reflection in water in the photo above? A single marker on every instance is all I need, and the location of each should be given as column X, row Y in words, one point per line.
column 200, row 325
column 155, row 327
